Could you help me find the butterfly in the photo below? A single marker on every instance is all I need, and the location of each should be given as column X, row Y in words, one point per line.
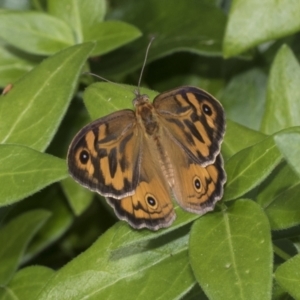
column 138, row 159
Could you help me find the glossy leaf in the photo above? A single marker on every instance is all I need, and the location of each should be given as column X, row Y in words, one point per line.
column 27, row 283
column 173, row 31
column 279, row 197
column 288, row 142
column 31, row 113
column 111, row 35
column 79, row 197
column 12, row 66
column 25, row 171
column 62, row 218
column 35, row 32
column 103, row 98
column 17, row 235
column 238, row 137
column 102, row 273
column 245, row 93
column 132, row 238
column 287, row 275
column 249, row 167
column 253, row 22
column 231, row 253
column 86, row 20
column 19, row 5
column 283, row 105
column 81, row 16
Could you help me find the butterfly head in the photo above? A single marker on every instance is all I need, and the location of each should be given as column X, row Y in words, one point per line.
column 139, row 99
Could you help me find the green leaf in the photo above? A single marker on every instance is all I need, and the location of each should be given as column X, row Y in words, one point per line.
column 35, row 32
column 253, row 22
column 27, row 283
column 231, row 253
column 111, row 35
column 288, row 142
column 15, row 236
column 186, row 26
column 282, row 106
column 287, row 275
column 81, row 16
column 279, row 197
column 245, row 93
column 25, row 171
column 104, row 98
column 31, row 113
column 249, row 167
column 102, row 273
column 17, row 5
column 52, row 200
column 246, row 137
column 86, row 19
column 131, row 238
column 79, row 197
column 12, row 66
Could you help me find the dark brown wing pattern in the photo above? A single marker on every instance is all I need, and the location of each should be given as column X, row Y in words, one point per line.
column 105, row 155
column 194, row 119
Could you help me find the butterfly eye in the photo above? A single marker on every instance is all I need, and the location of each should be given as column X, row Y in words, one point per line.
column 197, row 184
column 151, row 200
column 207, row 110
column 84, row 157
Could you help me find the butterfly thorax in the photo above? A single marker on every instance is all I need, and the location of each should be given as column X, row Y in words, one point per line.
column 147, row 119
column 146, row 115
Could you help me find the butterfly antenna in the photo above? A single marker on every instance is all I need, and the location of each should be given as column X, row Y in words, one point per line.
column 144, row 64
column 104, row 79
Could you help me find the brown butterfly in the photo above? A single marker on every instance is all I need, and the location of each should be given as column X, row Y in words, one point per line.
column 138, row 159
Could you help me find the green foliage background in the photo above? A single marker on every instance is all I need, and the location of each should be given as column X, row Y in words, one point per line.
column 60, row 241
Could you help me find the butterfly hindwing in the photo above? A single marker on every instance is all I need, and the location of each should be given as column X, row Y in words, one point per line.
column 196, row 188
column 150, row 206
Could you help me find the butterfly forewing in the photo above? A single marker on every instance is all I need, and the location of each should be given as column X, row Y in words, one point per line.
column 195, row 119
column 105, row 155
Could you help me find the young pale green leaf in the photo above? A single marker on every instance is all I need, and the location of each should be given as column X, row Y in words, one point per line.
column 31, row 112
column 12, row 66
column 283, row 105
column 238, row 137
column 27, row 283
column 231, row 253
column 249, row 167
column 288, row 142
column 245, row 93
column 79, row 197
column 81, row 16
column 35, row 32
column 15, row 237
column 24, row 171
column 253, row 22
column 111, row 35
column 186, row 26
column 100, row 273
column 287, row 275
column 104, row 98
